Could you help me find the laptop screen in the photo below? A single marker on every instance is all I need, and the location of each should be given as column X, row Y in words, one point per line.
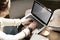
column 41, row 13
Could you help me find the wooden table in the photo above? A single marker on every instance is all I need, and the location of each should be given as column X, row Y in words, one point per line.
column 53, row 35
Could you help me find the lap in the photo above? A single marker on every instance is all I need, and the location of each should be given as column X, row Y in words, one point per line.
column 10, row 30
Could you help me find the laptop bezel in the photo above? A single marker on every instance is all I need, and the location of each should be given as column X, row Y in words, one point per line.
column 43, row 7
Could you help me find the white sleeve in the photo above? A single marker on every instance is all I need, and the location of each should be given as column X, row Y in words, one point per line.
column 10, row 22
column 22, row 34
column 18, row 36
column 2, row 35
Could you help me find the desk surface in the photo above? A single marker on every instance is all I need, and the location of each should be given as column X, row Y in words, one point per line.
column 53, row 35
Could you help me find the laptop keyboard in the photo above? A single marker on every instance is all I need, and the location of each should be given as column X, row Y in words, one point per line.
column 39, row 24
column 30, row 16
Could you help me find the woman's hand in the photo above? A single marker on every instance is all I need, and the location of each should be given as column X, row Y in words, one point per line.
column 33, row 25
column 30, row 23
column 27, row 21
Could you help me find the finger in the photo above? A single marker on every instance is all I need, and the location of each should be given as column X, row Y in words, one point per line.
column 34, row 24
column 29, row 19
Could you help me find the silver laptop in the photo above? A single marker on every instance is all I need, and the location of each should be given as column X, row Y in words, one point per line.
column 41, row 14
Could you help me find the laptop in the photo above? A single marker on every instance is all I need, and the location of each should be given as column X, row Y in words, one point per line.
column 40, row 13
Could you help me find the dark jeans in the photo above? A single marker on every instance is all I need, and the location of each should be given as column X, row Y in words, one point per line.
column 10, row 30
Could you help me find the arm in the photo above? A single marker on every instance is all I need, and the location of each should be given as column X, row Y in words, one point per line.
column 20, row 35
column 10, row 22
column 26, row 31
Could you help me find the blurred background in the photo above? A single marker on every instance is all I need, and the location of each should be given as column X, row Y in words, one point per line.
column 52, row 4
column 18, row 7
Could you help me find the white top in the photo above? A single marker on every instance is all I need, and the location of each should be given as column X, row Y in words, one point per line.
column 12, row 22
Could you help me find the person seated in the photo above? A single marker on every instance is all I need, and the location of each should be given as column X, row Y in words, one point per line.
column 16, row 22
column 4, row 11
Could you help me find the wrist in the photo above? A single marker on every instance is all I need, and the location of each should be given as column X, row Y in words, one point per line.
column 20, row 26
column 30, row 29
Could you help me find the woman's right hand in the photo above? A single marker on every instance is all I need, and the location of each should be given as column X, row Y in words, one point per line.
column 33, row 25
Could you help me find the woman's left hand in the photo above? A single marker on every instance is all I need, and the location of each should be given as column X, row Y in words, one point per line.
column 27, row 21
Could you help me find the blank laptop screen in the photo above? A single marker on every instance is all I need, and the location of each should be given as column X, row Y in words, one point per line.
column 41, row 13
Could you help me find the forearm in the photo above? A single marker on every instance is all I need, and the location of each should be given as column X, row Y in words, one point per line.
column 22, row 34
